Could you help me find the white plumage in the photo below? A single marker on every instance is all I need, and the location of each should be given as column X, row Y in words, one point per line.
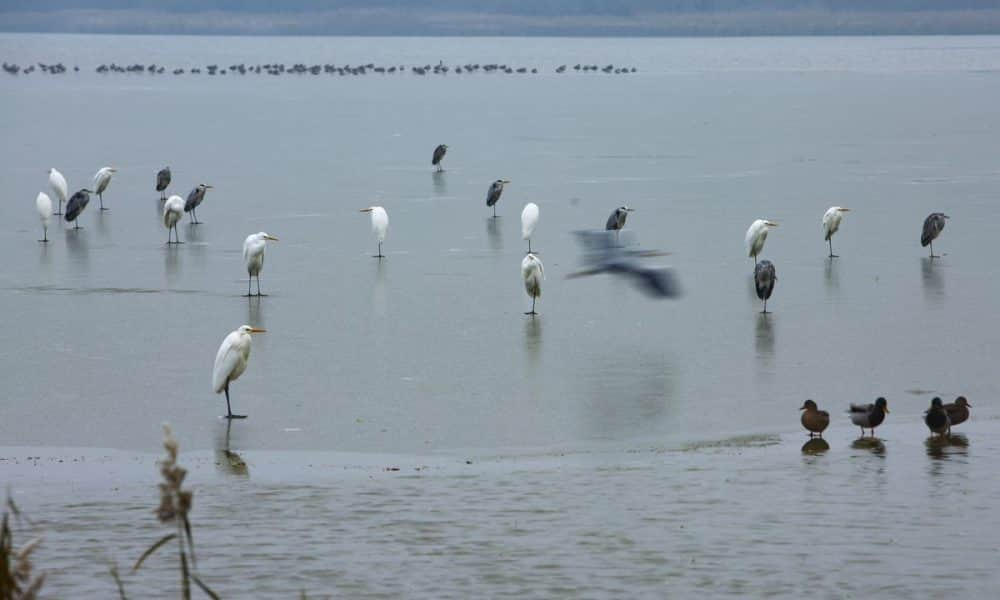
column 101, row 180
column 831, row 223
column 44, row 206
column 529, row 220
column 59, row 187
column 231, row 361
column 533, row 273
column 253, row 255
column 173, row 211
column 380, row 225
column 756, row 236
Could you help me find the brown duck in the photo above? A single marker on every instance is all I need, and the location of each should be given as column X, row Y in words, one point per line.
column 814, row 419
column 958, row 411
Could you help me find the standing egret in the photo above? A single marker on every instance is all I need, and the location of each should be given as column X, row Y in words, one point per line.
column 933, row 225
column 231, row 361
column 532, row 272
column 756, row 236
column 44, row 205
column 439, row 153
column 194, row 199
column 101, row 180
column 173, row 211
column 58, row 183
column 380, row 226
column 77, row 202
column 529, row 220
column 763, row 279
column 253, row 256
column 162, row 181
column 493, row 194
column 831, row 223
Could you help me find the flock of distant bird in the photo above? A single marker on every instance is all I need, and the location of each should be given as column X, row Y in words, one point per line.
column 314, row 69
column 606, row 257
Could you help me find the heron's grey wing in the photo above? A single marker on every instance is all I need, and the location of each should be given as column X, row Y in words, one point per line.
column 438, row 155
column 930, row 230
column 763, row 279
column 612, row 221
column 493, row 194
column 162, row 180
column 76, row 204
column 192, row 200
column 658, row 282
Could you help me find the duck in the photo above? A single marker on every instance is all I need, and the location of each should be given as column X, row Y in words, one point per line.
column 936, row 418
column 958, row 411
column 869, row 416
column 814, row 419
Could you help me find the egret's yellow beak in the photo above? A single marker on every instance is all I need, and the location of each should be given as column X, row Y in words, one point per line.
column 772, row 224
column 257, row 330
column 272, row 238
column 842, row 209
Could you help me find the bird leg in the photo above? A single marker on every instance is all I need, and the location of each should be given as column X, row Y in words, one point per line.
column 249, row 283
column 229, row 410
column 532, row 312
column 194, row 217
column 764, row 312
column 258, row 286
column 100, row 197
column 379, row 255
column 45, row 235
column 59, row 209
column 177, row 235
column 932, row 251
column 832, row 255
column 529, row 245
column 77, row 224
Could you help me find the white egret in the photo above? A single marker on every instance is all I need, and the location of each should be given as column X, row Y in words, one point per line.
column 44, row 205
column 380, row 226
column 529, row 220
column 162, row 181
column 101, row 180
column 77, row 202
column 231, row 361
column 194, row 200
column 439, row 153
column 763, row 279
column 173, row 211
column 933, row 225
column 756, row 236
column 533, row 273
column 253, row 256
column 493, row 194
column 831, row 223
column 58, row 183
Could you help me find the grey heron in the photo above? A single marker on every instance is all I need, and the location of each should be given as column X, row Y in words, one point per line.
column 162, row 181
column 603, row 255
column 764, row 277
column 194, row 199
column 493, row 194
column 439, row 153
column 77, row 202
column 933, row 225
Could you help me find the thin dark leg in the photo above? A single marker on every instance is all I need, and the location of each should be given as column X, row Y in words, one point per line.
column 177, row 235
column 76, row 224
column 529, row 245
column 59, row 209
column 258, row 286
column 229, row 410
column 101, row 198
column 194, row 214
column 832, row 255
column 532, row 312
column 494, row 211
column 45, row 235
column 249, row 283
column 932, row 251
column 379, row 255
